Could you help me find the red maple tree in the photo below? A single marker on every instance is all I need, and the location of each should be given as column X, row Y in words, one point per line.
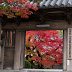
column 44, row 47
column 13, row 8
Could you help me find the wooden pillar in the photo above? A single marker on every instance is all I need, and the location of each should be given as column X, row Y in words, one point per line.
column 2, row 54
column 23, row 35
column 65, row 51
column 0, row 41
column 2, row 51
column 0, row 44
column 19, row 50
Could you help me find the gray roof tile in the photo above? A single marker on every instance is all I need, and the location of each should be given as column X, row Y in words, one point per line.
column 56, row 3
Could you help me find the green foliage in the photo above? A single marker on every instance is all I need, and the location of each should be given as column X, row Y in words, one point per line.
column 27, row 64
column 61, row 32
column 34, row 66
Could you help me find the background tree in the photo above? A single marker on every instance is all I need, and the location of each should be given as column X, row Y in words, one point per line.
column 13, row 8
column 44, row 48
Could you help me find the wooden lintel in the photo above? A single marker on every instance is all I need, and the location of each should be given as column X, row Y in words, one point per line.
column 58, row 24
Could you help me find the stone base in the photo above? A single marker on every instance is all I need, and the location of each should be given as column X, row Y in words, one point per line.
column 29, row 71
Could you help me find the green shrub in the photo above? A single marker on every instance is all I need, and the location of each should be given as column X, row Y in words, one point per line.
column 27, row 64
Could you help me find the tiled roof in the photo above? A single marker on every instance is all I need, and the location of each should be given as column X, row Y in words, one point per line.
column 52, row 3
column 56, row 3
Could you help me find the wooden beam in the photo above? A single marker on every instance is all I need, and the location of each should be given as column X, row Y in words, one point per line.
column 55, row 9
column 54, row 24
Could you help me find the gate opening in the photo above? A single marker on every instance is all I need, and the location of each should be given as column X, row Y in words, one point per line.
column 44, row 49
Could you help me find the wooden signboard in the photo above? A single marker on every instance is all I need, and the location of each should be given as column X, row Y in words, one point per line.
column 69, row 43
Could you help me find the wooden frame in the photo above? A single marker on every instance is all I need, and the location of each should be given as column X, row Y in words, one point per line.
column 59, row 24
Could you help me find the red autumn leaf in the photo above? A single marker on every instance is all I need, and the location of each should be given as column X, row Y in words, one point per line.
column 17, row 7
column 48, row 46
